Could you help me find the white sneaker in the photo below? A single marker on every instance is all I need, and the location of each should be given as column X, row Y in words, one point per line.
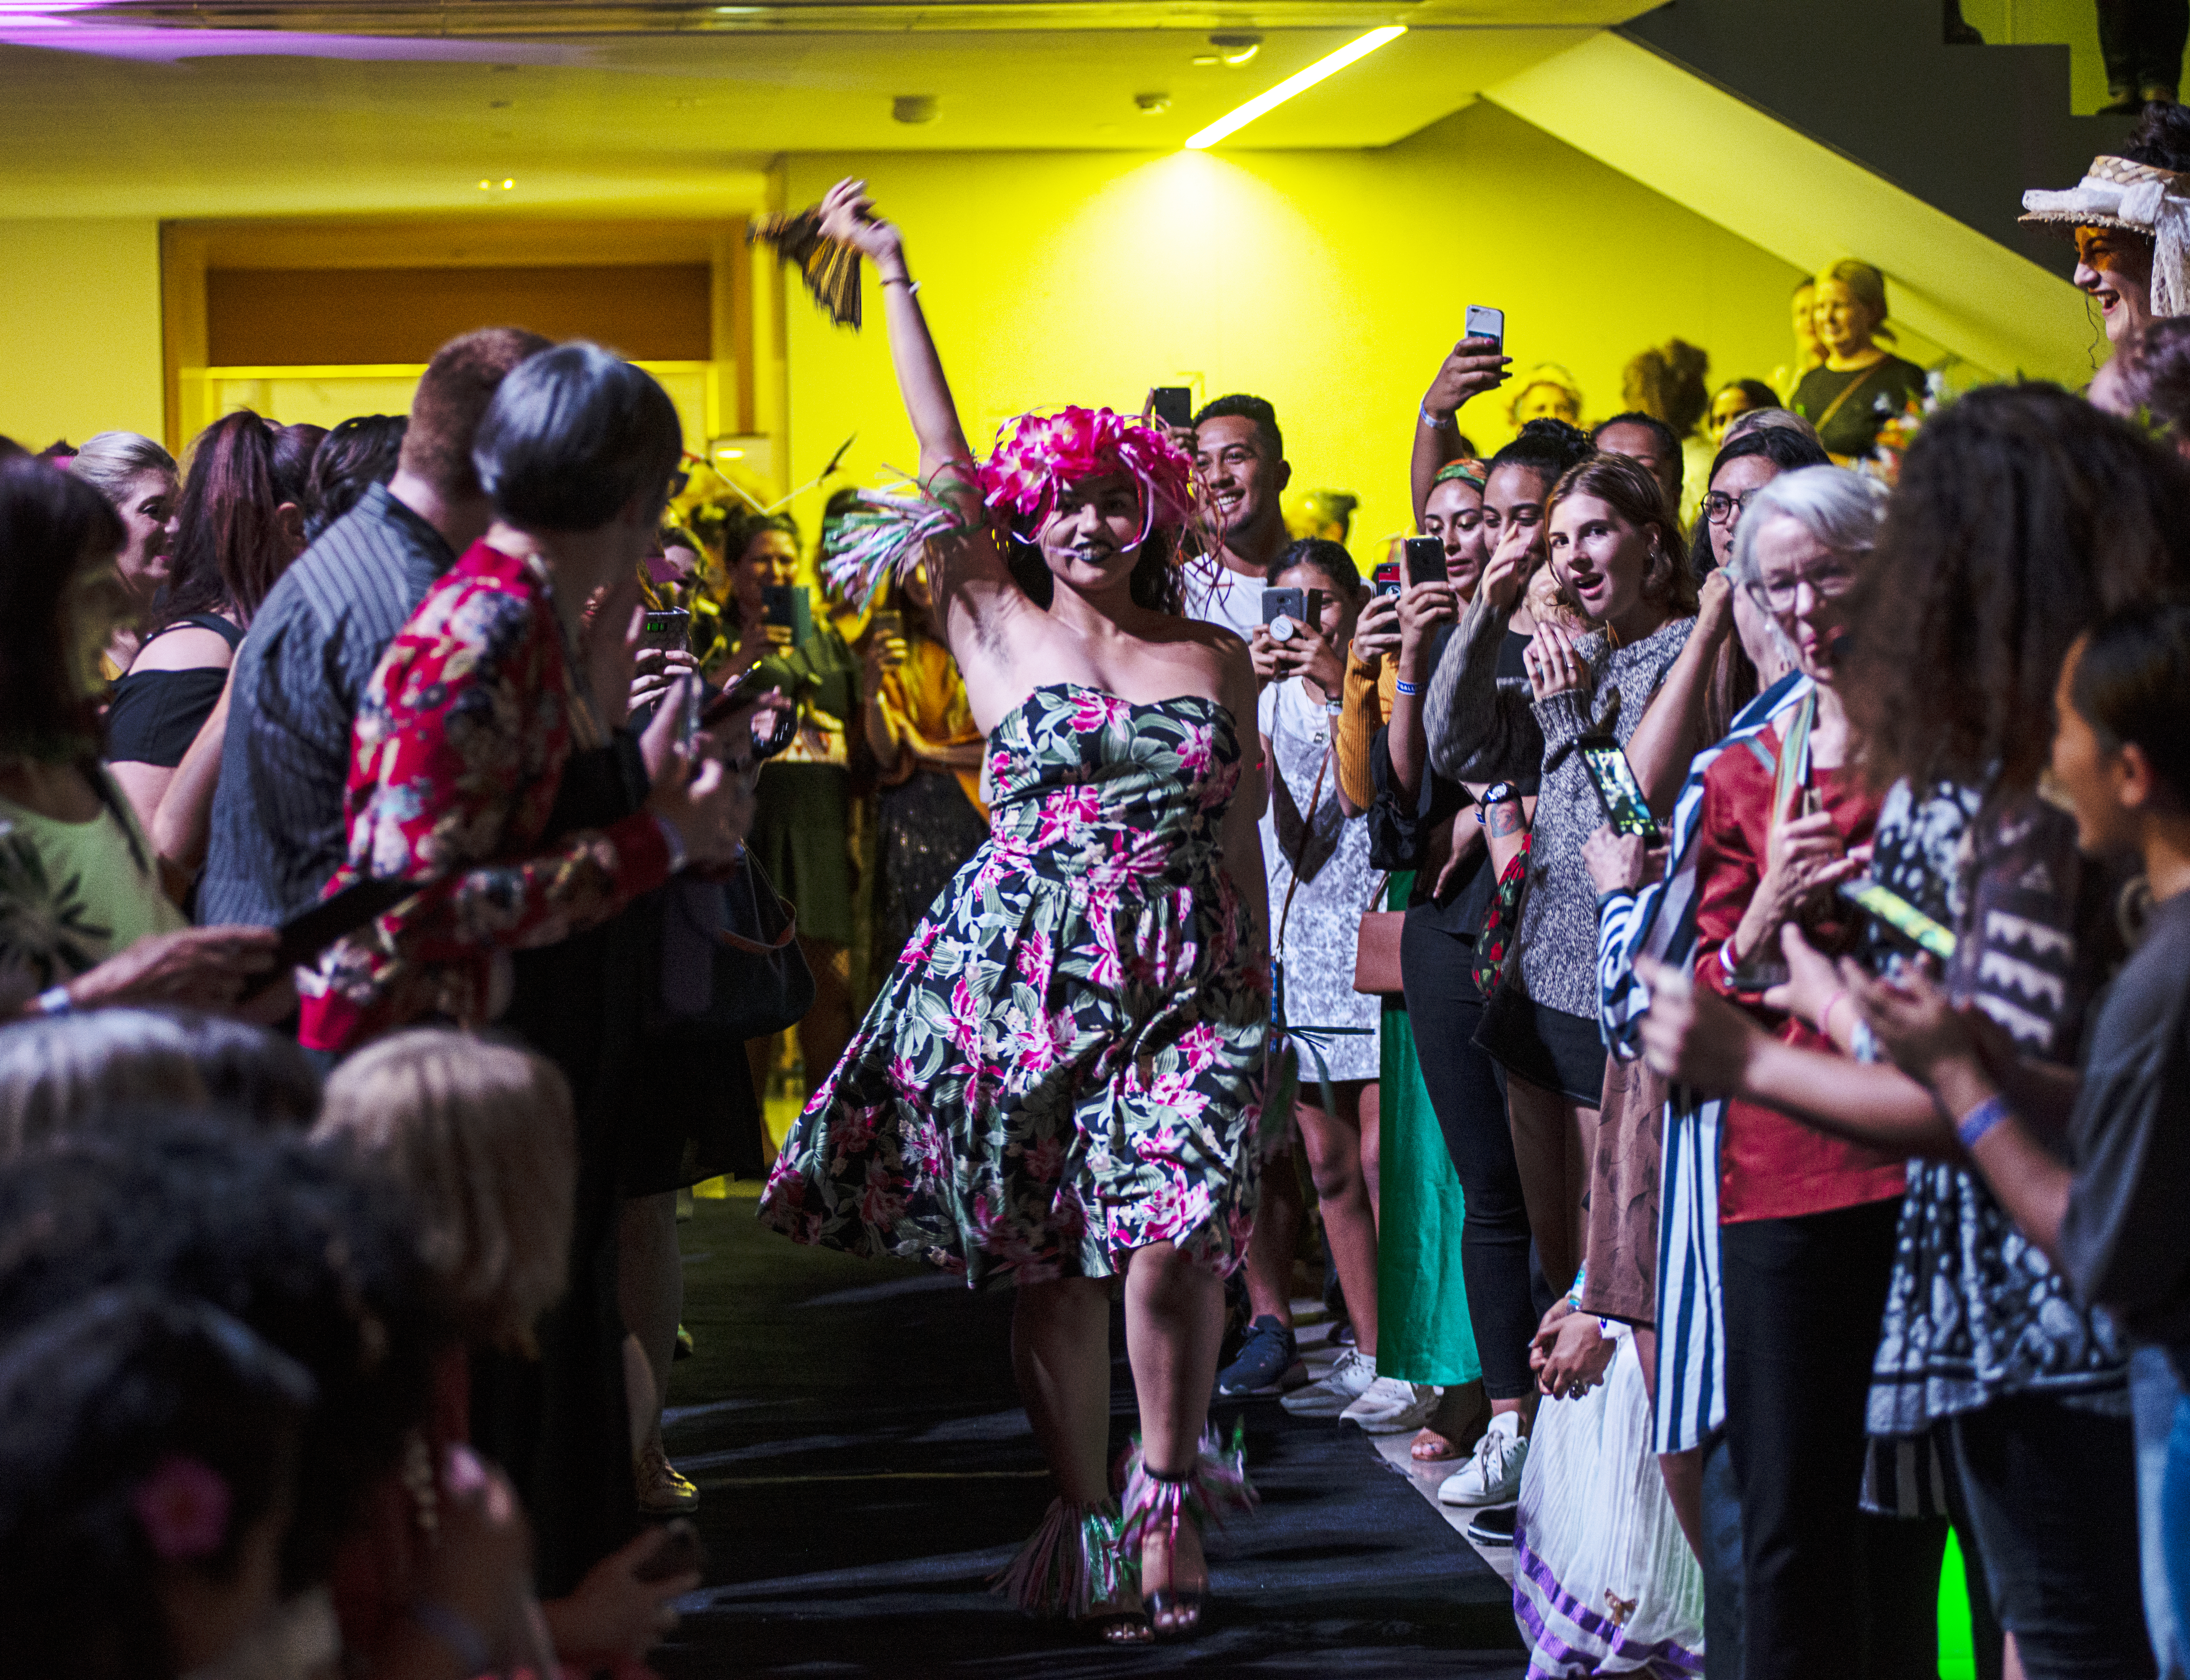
column 1493, row 1476
column 1390, row 1404
column 1345, row 1382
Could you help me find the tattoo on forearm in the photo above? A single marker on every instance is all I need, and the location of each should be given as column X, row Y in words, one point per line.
column 1502, row 819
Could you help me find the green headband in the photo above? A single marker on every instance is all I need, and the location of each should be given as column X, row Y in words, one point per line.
column 1468, row 472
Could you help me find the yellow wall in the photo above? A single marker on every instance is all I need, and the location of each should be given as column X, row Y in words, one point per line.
column 1330, row 283
column 79, row 329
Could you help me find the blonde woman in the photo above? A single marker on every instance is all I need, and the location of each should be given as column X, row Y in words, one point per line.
column 1859, row 387
column 141, row 481
column 480, row 1138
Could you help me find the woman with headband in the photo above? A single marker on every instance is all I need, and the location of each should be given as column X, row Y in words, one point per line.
column 1061, row 1081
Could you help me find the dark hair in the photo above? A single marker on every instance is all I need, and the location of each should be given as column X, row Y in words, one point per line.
column 2022, row 514
column 229, row 546
column 453, row 397
column 1631, row 491
column 1667, row 381
column 1548, row 448
column 261, row 1077
column 1760, row 394
column 319, row 1262
column 1635, row 417
column 50, row 524
column 1787, row 450
column 95, row 1402
column 1241, row 407
column 360, row 453
column 739, row 532
column 2156, row 369
column 1329, row 557
column 2161, row 139
column 2132, row 686
column 1156, row 582
column 573, row 434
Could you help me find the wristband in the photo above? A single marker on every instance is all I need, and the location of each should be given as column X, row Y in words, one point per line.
column 56, row 1001
column 912, row 287
column 1825, row 1015
column 1980, row 1120
column 1405, row 687
column 455, row 1633
column 1435, row 424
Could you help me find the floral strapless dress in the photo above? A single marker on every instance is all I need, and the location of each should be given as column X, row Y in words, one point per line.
column 1066, row 1063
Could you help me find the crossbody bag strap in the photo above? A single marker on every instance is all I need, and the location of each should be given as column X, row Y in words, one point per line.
column 1307, row 825
column 1847, row 390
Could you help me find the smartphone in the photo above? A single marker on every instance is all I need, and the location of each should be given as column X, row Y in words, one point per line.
column 304, row 935
column 1485, row 322
column 669, row 627
column 1386, row 579
column 1174, row 405
column 1614, row 778
column 789, row 606
column 688, row 694
column 739, row 694
column 1425, row 558
column 679, row 1552
column 1298, row 608
column 885, row 623
column 1901, row 918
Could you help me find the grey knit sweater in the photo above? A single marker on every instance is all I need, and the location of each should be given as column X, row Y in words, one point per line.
column 1482, row 729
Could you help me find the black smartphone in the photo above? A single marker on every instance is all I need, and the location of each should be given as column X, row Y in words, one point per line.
column 1485, row 322
column 1622, row 795
column 680, row 1551
column 1908, row 925
column 1386, row 579
column 309, row 932
column 885, row 623
column 1425, row 557
column 789, row 606
column 1174, row 405
column 668, row 627
column 1299, row 609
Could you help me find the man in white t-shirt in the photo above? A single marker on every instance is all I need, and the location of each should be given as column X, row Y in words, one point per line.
column 1240, row 456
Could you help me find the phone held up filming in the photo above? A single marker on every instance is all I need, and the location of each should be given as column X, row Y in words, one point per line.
column 1292, row 612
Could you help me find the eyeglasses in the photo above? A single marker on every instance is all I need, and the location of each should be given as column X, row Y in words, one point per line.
column 1720, row 509
column 1827, row 582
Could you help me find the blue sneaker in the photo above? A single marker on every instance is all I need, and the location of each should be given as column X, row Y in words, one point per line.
column 1269, row 1363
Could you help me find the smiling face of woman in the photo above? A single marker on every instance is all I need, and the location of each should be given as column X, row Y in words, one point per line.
column 1599, row 558
column 1844, row 325
column 1453, row 515
column 1092, row 539
column 2115, row 269
column 147, row 507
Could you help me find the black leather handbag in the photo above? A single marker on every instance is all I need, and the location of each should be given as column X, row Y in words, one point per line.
column 731, row 968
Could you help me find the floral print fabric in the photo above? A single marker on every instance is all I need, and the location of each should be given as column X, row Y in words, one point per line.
column 1066, row 1063
column 455, row 759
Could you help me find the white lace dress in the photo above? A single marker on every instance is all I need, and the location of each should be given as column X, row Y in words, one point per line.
column 1306, row 824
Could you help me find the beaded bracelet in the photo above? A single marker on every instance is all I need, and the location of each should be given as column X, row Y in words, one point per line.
column 1435, row 424
column 1405, row 687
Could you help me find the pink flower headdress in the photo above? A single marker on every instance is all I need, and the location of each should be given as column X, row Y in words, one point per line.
column 1036, row 456
column 183, row 1508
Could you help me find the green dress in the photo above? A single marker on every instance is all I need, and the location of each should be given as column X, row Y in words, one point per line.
column 1423, row 1332
column 802, row 830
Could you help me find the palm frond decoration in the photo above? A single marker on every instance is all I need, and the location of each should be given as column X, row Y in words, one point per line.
column 831, row 268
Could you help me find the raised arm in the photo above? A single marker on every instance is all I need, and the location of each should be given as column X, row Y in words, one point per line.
column 1671, row 732
column 1481, row 731
column 1473, row 367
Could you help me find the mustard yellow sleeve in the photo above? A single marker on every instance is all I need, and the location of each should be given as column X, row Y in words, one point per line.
column 1358, row 723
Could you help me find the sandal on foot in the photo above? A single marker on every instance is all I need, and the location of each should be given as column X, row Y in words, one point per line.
column 1429, row 1447
column 1073, row 1566
column 1159, row 1502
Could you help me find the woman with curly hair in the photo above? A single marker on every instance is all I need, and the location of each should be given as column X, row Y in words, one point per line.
column 1061, row 1081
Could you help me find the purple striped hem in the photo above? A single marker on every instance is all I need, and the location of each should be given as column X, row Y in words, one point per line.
column 1665, row 1659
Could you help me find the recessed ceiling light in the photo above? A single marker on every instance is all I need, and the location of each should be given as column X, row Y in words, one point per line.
column 1204, row 61
column 1152, row 104
column 1330, row 64
column 1238, row 49
column 914, row 108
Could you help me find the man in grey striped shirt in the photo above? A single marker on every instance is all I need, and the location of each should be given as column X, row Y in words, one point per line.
column 313, row 644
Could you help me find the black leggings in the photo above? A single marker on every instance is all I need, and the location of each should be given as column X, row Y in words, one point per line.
column 1444, row 1008
column 2141, row 43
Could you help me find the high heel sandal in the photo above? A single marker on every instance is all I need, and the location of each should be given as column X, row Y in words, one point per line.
column 1073, row 1566
column 1159, row 1501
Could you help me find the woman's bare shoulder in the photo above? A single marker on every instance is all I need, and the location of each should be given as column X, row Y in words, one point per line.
column 186, row 648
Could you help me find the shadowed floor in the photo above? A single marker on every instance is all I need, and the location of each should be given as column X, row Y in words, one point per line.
column 865, row 1466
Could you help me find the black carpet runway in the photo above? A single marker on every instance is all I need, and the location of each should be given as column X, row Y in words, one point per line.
column 865, row 1466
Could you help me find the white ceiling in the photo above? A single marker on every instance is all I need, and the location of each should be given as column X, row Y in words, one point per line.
column 668, row 107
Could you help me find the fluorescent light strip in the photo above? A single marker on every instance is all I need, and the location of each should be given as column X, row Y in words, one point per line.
column 1330, row 64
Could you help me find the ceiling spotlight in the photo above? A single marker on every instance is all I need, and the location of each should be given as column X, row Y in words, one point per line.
column 1237, row 49
column 1204, row 61
column 914, row 108
column 1152, row 104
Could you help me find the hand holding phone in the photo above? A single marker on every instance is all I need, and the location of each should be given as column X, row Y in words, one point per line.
column 1910, row 927
column 1621, row 794
column 1425, row 560
column 1485, row 322
column 1172, row 406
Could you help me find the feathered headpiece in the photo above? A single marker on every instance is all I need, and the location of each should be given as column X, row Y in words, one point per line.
column 1036, row 456
column 2134, row 198
column 831, row 268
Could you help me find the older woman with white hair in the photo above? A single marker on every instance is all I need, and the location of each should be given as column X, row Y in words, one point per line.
column 139, row 481
column 1806, row 1220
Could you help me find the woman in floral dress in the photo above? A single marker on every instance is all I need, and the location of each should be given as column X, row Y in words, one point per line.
column 1060, row 1081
